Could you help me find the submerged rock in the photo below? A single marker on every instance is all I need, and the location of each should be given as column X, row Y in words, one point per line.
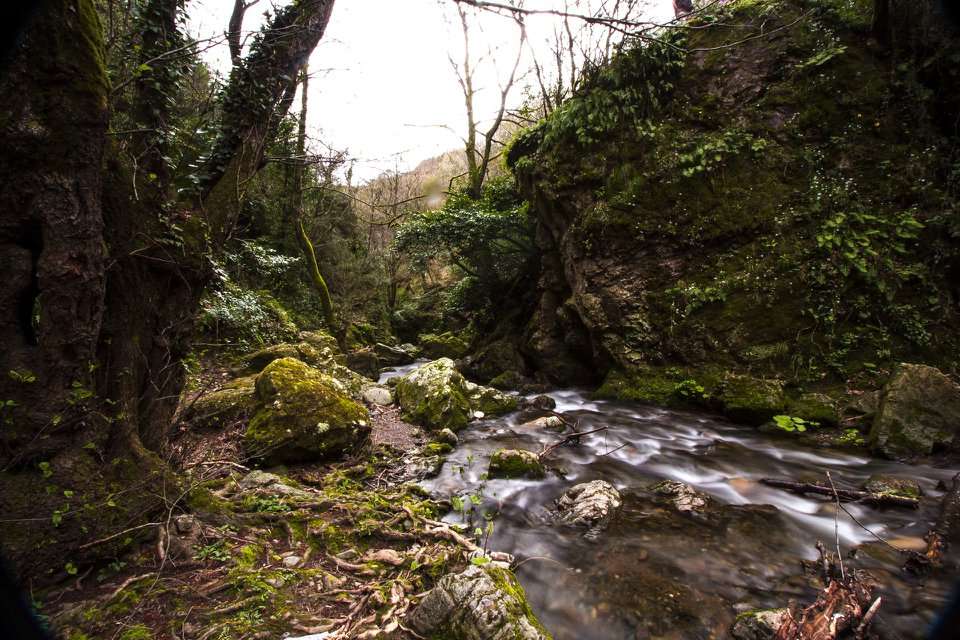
column 304, row 415
column 919, row 413
column 437, row 396
column 536, row 407
column 515, row 463
column 682, row 496
column 589, row 504
column 758, row 625
column 480, row 603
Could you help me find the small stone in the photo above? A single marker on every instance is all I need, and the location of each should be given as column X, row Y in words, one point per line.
column 185, row 523
column 684, row 497
column 348, row 554
column 380, row 396
column 478, row 415
column 589, row 504
column 548, row 423
column 291, row 561
column 758, row 625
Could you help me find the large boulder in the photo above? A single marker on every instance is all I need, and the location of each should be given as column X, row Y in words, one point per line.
column 437, row 396
column 515, row 463
column 919, row 413
column 500, row 359
column 480, row 603
column 751, row 400
column 391, row 356
column 589, row 504
column 304, row 415
column 443, row 345
column 365, row 362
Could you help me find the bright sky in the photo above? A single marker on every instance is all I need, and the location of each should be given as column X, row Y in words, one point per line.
column 382, row 85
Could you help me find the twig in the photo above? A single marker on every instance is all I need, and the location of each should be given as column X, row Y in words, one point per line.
column 836, row 527
column 567, row 439
column 118, row 534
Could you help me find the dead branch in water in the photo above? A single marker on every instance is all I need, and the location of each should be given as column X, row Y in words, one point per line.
column 943, row 529
column 573, row 438
column 850, row 495
column 844, row 604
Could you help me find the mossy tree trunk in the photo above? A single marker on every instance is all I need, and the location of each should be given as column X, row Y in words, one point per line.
column 105, row 268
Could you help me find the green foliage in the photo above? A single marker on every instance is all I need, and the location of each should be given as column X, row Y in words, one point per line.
column 791, row 423
column 489, row 240
column 217, row 551
column 691, row 390
column 708, row 152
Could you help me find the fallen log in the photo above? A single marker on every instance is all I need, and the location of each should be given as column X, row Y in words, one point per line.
column 847, row 495
column 946, row 527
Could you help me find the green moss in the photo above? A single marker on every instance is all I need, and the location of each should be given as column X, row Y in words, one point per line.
column 508, row 583
column 438, row 448
column 515, row 463
column 304, row 415
column 815, row 407
column 444, row 345
column 752, row 400
column 137, row 632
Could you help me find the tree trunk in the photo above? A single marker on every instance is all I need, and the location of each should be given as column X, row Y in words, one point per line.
column 104, row 274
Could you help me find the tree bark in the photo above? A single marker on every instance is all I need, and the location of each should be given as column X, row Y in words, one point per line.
column 104, row 272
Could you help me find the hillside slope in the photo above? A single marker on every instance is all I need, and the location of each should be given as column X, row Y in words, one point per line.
column 769, row 192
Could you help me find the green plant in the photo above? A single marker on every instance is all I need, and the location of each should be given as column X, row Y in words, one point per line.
column 214, row 551
column 690, row 390
column 791, row 423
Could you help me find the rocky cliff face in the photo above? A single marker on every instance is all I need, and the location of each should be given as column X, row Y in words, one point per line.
column 784, row 207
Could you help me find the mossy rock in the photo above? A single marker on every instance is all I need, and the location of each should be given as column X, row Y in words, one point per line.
column 815, row 407
column 444, row 345
column 321, row 340
column 752, row 401
column 494, row 360
column 365, row 362
column 233, row 402
column 483, row 601
column 437, row 396
column 304, row 415
column 507, row 381
column 919, row 413
column 515, row 463
column 645, row 385
column 893, row 486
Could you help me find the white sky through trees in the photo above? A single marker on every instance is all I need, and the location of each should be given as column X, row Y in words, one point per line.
column 381, row 82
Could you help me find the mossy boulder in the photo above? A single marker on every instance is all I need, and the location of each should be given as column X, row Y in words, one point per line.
column 304, row 415
column 499, row 359
column 233, row 402
column 815, row 407
column 761, row 624
column 919, row 413
column 643, row 385
column 437, row 396
column 515, row 463
column 479, row 603
column 752, row 400
column 507, row 380
column 443, row 345
column 365, row 362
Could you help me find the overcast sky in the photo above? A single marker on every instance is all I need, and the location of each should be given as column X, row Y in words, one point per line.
column 381, row 82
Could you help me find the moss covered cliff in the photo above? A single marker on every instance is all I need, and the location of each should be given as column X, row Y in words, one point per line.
column 775, row 200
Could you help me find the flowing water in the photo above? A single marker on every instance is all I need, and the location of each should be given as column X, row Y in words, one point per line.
column 655, row 572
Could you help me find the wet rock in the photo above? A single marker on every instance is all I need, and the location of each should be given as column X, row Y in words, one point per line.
column 234, row 402
column 758, row 625
column 381, row 396
column 437, row 396
column 751, row 400
column 304, row 415
column 548, row 423
column 480, row 603
column 589, row 504
column 446, row 436
column 893, row 485
column 919, row 413
column 365, row 362
column 515, row 463
column 536, row 407
column 682, row 496
column 393, row 356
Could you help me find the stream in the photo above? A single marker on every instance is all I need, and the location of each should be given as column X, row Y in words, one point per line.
column 658, row 573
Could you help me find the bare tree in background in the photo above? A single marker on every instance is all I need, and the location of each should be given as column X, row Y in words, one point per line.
column 479, row 143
